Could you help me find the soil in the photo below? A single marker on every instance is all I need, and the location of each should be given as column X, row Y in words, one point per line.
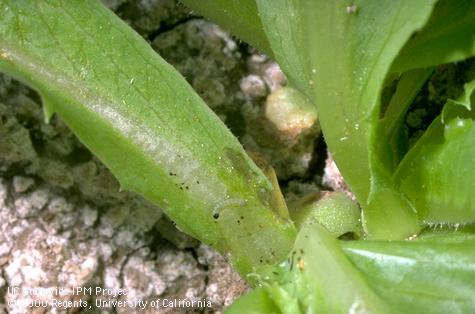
column 63, row 220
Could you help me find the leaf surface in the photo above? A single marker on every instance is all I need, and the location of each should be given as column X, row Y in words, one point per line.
column 259, row 301
column 419, row 276
column 437, row 173
column 449, row 36
column 143, row 120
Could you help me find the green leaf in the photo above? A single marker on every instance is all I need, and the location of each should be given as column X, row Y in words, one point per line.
column 437, row 173
column 449, row 36
column 317, row 278
column 465, row 234
column 254, row 302
column 419, row 276
column 284, row 29
column 454, row 105
column 240, row 17
column 335, row 211
column 268, row 299
column 345, row 50
column 141, row 118
column 393, row 122
column 329, row 282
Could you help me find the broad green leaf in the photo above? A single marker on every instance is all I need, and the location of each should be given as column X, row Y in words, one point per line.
column 141, row 118
column 437, row 173
column 283, row 26
column 449, row 36
column 345, row 50
column 317, row 278
column 419, row 276
column 240, row 17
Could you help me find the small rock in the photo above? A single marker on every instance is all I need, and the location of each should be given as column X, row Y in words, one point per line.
column 141, row 279
column 78, row 270
column 3, row 193
column 290, row 111
column 22, row 184
column 224, row 284
column 333, row 179
column 32, row 203
column 253, row 86
column 59, row 205
column 112, row 277
column 125, row 238
column 4, row 249
column 26, row 267
column 89, row 216
column 274, row 77
column 105, row 251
